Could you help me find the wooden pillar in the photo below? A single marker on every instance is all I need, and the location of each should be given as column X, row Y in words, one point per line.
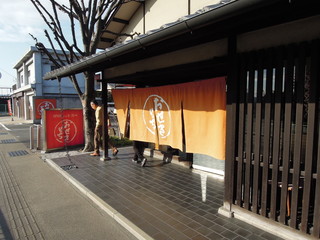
column 104, row 96
column 232, row 85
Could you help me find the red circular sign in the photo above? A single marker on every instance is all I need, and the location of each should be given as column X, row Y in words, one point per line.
column 65, row 131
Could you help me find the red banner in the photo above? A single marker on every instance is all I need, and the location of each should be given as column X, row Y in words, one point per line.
column 42, row 104
column 63, row 128
column 9, row 107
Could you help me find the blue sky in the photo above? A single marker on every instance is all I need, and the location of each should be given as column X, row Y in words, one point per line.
column 18, row 18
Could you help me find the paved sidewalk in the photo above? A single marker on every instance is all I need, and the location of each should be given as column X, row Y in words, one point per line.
column 36, row 202
column 160, row 201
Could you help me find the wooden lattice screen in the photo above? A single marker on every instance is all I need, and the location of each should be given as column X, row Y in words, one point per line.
column 276, row 155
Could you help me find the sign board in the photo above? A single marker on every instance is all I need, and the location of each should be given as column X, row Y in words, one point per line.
column 41, row 104
column 9, row 107
column 62, row 128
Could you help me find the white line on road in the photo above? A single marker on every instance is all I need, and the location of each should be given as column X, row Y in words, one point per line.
column 5, row 127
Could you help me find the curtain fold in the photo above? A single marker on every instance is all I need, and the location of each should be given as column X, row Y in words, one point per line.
column 204, row 112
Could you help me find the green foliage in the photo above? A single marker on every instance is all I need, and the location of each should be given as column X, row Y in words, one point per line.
column 117, row 142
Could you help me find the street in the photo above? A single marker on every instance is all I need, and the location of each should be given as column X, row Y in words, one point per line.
column 36, row 202
column 21, row 131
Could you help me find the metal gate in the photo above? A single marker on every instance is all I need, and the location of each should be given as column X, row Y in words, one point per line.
column 273, row 165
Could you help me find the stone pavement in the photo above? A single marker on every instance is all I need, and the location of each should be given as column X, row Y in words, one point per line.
column 160, row 201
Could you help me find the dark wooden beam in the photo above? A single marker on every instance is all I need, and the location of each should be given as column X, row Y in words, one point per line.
column 108, row 40
column 105, row 126
column 233, row 84
column 119, row 20
column 177, row 74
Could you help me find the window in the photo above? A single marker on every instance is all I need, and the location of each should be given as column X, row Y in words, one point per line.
column 97, row 81
column 21, row 78
column 28, row 77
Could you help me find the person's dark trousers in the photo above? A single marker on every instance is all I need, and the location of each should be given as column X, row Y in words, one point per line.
column 97, row 138
column 138, row 148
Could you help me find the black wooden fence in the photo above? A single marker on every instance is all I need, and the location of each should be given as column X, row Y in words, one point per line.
column 276, row 158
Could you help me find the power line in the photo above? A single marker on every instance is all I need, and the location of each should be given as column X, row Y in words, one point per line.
column 7, row 72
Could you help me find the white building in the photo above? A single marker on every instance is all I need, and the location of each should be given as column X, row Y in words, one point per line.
column 30, row 85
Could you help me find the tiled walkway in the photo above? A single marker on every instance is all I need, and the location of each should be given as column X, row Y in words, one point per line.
column 164, row 200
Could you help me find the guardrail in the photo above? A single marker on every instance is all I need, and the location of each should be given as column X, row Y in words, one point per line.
column 5, row 92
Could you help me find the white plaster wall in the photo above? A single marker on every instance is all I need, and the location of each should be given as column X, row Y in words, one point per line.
column 195, row 5
column 37, row 59
column 136, row 25
column 159, row 12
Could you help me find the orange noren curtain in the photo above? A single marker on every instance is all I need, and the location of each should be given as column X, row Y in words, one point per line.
column 121, row 98
column 142, row 127
column 159, row 111
column 168, row 115
column 156, row 115
column 204, row 112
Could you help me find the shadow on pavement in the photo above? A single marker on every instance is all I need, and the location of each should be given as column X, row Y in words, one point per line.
column 4, row 228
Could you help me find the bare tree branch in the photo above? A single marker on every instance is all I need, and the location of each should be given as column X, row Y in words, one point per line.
column 66, row 10
column 92, row 20
column 89, row 9
column 77, row 7
column 53, row 25
column 103, row 17
column 43, row 49
column 76, row 85
column 34, row 38
column 75, row 45
column 54, row 50
column 56, row 22
column 104, row 10
column 60, row 35
column 83, row 5
column 41, row 8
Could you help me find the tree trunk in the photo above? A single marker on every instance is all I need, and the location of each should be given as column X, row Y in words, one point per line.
column 88, row 113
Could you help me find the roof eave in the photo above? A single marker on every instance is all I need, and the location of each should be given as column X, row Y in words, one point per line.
column 188, row 25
